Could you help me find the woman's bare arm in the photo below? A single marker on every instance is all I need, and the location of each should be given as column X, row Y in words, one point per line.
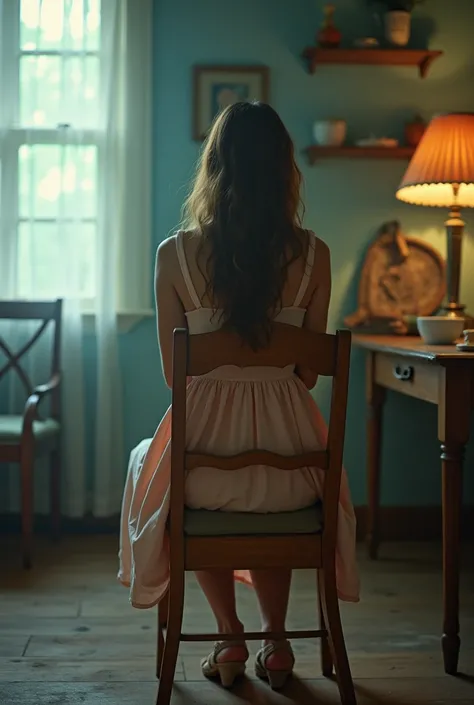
column 316, row 317
column 169, row 308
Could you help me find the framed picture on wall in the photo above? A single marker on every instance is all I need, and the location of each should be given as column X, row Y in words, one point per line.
column 216, row 87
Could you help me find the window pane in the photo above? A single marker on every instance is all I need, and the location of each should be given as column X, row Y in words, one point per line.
column 56, row 90
column 43, row 255
column 57, row 182
column 58, row 25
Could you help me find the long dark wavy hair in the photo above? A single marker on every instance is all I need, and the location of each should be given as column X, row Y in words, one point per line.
column 245, row 203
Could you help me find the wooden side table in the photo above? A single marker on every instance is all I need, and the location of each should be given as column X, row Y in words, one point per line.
column 443, row 376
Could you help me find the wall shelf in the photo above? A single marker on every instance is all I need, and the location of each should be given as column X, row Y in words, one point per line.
column 423, row 58
column 315, row 153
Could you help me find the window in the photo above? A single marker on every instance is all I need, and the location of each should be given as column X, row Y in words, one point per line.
column 64, row 76
column 52, row 65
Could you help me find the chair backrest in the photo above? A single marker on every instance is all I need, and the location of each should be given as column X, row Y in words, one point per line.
column 47, row 312
column 325, row 354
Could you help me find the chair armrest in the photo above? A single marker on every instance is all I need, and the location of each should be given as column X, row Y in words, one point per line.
column 30, row 412
column 43, row 389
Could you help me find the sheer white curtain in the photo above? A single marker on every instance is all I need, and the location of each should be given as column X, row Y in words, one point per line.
column 74, row 150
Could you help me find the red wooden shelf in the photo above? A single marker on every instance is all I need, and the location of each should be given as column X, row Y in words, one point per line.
column 423, row 58
column 315, row 152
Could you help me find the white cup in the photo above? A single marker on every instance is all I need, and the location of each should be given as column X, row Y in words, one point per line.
column 468, row 336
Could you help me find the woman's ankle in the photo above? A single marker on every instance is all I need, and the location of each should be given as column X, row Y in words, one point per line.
column 233, row 626
column 279, row 628
column 237, row 649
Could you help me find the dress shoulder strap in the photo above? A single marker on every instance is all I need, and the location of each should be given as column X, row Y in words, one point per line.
column 185, row 269
column 307, row 270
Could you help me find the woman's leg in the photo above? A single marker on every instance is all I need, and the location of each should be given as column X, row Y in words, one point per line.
column 219, row 589
column 273, row 591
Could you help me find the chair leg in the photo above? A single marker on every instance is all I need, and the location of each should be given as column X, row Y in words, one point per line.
column 332, row 618
column 55, row 493
column 162, row 625
column 173, row 636
column 327, row 665
column 26, row 475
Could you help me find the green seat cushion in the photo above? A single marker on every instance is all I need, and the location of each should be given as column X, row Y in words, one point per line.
column 10, row 429
column 203, row 522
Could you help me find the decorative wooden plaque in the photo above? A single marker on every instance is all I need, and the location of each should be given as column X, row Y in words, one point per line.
column 402, row 277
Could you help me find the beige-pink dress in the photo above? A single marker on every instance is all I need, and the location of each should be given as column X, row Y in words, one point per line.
column 230, row 410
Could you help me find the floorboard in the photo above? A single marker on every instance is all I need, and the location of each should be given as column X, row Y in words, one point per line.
column 69, row 636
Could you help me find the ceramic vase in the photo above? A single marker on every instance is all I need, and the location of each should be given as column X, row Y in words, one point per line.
column 329, row 133
column 328, row 37
column 397, row 28
column 414, row 131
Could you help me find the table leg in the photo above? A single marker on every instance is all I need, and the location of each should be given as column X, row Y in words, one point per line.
column 375, row 402
column 453, row 430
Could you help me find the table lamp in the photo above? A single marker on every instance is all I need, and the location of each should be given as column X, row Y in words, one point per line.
column 441, row 174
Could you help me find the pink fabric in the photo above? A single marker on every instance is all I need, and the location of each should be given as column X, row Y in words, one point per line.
column 229, row 411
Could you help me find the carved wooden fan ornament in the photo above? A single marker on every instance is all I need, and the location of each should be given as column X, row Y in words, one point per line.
column 402, row 277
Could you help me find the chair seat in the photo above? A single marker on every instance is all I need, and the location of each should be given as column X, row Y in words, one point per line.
column 11, row 426
column 203, row 522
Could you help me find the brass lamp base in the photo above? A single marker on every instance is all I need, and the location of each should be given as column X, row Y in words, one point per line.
column 455, row 231
column 454, row 309
column 458, row 311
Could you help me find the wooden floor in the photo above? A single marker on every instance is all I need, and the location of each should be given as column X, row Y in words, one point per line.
column 68, row 635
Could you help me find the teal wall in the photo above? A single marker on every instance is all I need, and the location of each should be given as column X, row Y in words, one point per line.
column 345, row 201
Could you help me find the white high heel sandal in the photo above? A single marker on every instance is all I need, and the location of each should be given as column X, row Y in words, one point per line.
column 227, row 671
column 276, row 678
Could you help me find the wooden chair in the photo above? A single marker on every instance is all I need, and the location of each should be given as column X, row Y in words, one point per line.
column 206, row 540
column 24, row 437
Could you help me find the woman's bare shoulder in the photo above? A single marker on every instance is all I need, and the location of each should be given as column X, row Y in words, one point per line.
column 167, row 245
column 167, row 251
column 166, row 254
column 321, row 249
column 318, row 243
column 321, row 271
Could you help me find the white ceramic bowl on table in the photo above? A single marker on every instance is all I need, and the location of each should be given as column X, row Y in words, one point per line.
column 440, row 330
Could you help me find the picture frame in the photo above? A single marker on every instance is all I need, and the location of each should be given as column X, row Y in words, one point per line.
column 215, row 87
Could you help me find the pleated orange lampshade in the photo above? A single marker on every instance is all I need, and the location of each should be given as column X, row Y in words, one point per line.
column 441, row 172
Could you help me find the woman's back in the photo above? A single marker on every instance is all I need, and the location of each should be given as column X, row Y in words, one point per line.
column 184, row 291
column 203, row 317
column 196, row 254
